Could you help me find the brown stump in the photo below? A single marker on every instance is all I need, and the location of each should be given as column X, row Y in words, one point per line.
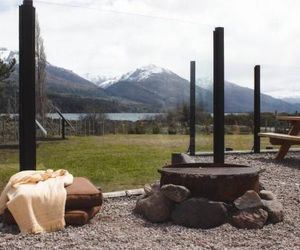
column 217, row 182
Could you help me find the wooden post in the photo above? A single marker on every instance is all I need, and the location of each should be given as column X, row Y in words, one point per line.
column 76, row 132
column 59, row 126
column 93, row 127
column 27, row 86
column 192, row 108
column 63, row 129
column 16, row 130
column 256, row 146
column 218, row 94
column 276, row 122
column 3, row 130
column 103, row 127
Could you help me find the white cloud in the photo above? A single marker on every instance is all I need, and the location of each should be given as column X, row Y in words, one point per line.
column 99, row 39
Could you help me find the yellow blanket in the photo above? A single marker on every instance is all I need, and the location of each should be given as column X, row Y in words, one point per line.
column 37, row 199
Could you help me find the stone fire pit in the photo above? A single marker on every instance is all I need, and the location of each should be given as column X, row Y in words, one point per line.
column 217, row 182
column 206, row 195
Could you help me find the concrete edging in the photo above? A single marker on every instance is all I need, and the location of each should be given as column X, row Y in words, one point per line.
column 124, row 193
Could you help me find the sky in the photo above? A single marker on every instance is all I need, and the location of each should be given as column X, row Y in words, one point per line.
column 111, row 37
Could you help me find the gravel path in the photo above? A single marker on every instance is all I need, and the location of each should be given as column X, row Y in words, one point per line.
column 117, row 228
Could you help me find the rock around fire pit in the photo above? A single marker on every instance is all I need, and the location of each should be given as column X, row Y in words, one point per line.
column 252, row 210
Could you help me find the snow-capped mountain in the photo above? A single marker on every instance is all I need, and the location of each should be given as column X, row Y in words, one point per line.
column 161, row 88
column 136, row 75
column 96, row 79
column 7, row 55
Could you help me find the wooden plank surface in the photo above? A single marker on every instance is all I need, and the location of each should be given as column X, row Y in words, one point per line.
column 281, row 136
column 288, row 118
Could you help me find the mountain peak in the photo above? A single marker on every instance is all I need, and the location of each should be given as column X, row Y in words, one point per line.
column 144, row 72
column 137, row 75
column 151, row 68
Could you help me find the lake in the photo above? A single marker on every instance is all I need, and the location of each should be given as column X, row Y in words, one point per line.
column 110, row 116
column 133, row 117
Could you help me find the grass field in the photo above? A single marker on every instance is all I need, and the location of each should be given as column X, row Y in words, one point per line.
column 114, row 162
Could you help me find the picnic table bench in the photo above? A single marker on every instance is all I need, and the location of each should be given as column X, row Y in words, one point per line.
column 285, row 140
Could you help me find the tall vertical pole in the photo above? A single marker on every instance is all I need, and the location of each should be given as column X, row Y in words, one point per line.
column 192, row 108
column 256, row 108
column 218, row 95
column 27, row 86
column 63, row 129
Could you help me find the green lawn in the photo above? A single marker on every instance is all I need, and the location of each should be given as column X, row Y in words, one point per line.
column 114, row 162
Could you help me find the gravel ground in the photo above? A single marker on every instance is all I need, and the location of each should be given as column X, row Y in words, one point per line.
column 117, row 228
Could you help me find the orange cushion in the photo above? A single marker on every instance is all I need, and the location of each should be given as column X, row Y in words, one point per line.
column 82, row 194
column 80, row 217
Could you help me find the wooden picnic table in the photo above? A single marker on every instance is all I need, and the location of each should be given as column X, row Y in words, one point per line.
column 288, row 118
column 285, row 140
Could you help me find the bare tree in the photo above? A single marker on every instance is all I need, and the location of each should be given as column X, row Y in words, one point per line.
column 6, row 69
column 41, row 62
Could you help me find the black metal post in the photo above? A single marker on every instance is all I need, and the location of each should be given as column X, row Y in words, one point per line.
column 256, row 146
column 192, row 108
column 218, row 95
column 63, row 129
column 27, row 86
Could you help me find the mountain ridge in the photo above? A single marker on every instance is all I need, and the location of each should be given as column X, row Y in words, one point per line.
column 145, row 89
column 163, row 88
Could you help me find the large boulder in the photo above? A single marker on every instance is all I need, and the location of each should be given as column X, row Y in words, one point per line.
column 252, row 218
column 250, row 199
column 199, row 213
column 155, row 208
column 274, row 209
column 267, row 195
column 175, row 193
